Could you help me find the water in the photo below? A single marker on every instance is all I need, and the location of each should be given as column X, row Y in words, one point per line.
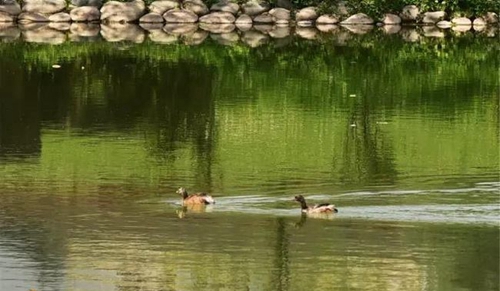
column 401, row 136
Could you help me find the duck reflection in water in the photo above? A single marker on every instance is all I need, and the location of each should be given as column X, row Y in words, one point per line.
column 193, row 208
column 304, row 217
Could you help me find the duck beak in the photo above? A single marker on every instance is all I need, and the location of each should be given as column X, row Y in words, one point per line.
column 335, row 210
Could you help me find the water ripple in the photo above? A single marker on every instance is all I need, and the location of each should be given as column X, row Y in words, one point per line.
column 366, row 205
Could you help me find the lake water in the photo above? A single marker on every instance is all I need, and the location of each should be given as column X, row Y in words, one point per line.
column 403, row 136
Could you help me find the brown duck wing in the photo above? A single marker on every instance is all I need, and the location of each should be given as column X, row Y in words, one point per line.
column 322, row 205
column 199, row 198
column 195, row 199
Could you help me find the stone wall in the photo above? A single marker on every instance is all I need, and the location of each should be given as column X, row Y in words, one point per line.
column 223, row 12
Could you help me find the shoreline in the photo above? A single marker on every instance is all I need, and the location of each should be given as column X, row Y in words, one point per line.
column 226, row 34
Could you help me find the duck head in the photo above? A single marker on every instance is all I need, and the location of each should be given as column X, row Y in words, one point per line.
column 302, row 201
column 299, row 198
column 182, row 191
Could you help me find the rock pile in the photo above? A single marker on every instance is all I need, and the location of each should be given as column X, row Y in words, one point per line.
column 223, row 12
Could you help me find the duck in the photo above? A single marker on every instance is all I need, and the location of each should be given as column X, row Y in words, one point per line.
column 318, row 208
column 197, row 198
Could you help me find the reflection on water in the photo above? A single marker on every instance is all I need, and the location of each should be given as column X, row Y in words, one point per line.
column 224, row 34
column 100, row 240
column 401, row 136
column 193, row 208
column 147, row 247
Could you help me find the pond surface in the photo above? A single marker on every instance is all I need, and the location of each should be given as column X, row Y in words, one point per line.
column 402, row 136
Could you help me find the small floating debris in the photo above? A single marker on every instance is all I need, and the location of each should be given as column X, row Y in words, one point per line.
column 353, row 124
column 56, row 66
column 352, row 95
column 382, row 122
column 83, row 68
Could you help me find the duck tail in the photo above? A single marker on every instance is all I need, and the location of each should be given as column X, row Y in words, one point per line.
column 209, row 199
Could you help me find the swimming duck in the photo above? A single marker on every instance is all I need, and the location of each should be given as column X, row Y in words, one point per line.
column 319, row 208
column 197, row 198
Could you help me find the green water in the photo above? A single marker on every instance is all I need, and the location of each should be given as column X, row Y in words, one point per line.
column 402, row 137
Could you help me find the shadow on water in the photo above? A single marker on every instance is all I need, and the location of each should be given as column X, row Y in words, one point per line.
column 184, row 114
column 19, row 113
column 281, row 261
column 91, row 100
column 172, row 100
column 368, row 156
column 39, row 248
